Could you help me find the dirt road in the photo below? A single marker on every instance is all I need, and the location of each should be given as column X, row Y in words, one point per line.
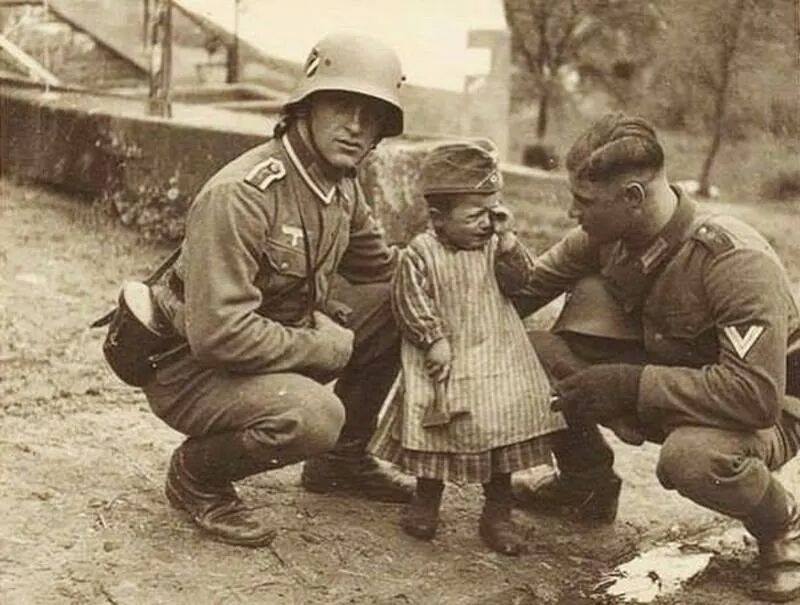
column 84, row 516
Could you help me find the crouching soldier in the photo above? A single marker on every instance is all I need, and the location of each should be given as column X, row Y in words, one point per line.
column 679, row 329
column 251, row 293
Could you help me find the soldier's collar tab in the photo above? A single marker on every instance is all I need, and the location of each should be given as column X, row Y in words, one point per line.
column 673, row 233
column 309, row 165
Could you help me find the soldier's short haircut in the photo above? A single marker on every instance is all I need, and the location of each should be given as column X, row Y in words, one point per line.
column 616, row 144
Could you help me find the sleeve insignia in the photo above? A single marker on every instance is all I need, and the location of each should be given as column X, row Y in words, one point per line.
column 742, row 343
column 262, row 175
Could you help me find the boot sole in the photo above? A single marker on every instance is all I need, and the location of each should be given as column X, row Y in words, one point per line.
column 586, row 512
column 570, row 512
column 485, row 533
column 424, row 535
column 177, row 503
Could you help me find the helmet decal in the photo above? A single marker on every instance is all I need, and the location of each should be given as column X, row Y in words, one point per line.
column 312, row 63
column 358, row 64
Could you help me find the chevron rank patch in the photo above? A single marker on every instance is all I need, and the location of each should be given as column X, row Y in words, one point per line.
column 265, row 173
column 742, row 342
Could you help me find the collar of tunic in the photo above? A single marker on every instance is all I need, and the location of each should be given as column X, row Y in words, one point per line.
column 310, row 166
column 630, row 277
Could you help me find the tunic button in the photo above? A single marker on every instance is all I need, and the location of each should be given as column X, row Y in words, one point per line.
column 659, row 336
column 284, row 265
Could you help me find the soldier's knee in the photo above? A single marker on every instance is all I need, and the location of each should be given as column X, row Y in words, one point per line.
column 321, row 424
column 309, row 423
column 716, row 469
column 684, row 463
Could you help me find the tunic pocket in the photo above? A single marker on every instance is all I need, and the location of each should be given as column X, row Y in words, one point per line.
column 683, row 338
column 284, row 259
column 686, row 324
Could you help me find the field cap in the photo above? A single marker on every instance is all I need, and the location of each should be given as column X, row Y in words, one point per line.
column 462, row 167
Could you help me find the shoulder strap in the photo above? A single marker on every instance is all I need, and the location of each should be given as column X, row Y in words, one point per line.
column 149, row 281
column 161, row 269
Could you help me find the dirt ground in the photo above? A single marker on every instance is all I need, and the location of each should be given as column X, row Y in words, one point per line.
column 83, row 461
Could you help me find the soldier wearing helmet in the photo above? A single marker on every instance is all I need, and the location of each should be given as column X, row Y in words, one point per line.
column 258, row 296
column 678, row 329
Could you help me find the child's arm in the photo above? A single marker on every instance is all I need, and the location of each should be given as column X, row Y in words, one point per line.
column 416, row 313
column 513, row 261
column 532, row 282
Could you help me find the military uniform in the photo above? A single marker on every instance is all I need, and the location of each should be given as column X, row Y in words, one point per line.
column 713, row 317
column 239, row 294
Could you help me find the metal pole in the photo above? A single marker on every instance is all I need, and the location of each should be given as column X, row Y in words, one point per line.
column 160, row 58
column 146, row 23
column 47, row 65
column 233, row 50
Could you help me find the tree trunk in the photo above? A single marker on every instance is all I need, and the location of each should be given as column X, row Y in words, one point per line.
column 705, row 176
column 727, row 58
column 544, row 106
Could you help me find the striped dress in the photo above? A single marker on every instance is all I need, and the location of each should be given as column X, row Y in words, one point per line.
column 440, row 291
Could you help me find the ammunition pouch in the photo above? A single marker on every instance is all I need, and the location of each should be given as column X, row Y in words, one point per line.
column 137, row 336
column 138, row 333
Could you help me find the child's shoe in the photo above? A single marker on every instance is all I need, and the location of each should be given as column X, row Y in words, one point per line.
column 421, row 517
column 498, row 530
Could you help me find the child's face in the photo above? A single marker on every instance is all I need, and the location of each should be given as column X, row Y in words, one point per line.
column 468, row 222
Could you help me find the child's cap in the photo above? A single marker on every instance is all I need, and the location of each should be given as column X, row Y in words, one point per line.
column 462, row 167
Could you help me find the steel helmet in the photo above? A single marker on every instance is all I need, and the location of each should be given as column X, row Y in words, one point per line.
column 592, row 310
column 354, row 63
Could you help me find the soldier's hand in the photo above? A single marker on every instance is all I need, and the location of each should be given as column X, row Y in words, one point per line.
column 438, row 360
column 599, row 393
column 338, row 338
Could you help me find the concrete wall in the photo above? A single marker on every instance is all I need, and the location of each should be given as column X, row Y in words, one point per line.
column 148, row 169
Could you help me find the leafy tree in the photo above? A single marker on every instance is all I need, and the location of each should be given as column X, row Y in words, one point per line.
column 551, row 36
column 709, row 51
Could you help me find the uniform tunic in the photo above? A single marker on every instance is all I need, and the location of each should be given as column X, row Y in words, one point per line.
column 238, row 293
column 440, row 291
column 716, row 310
column 238, row 290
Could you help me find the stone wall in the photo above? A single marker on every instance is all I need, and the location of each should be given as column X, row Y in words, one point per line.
column 147, row 170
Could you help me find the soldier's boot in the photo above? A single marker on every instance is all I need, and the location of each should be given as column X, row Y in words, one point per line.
column 496, row 528
column 421, row 516
column 590, row 496
column 199, row 483
column 349, row 469
column 776, row 525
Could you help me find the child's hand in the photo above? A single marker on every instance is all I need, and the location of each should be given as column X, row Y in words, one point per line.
column 438, row 359
column 503, row 225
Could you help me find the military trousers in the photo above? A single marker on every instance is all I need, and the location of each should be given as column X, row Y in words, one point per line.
column 726, row 471
column 287, row 417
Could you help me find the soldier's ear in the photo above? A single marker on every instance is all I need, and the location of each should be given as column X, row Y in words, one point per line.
column 635, row 193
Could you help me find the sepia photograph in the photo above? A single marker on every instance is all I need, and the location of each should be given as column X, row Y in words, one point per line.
column 399, row 302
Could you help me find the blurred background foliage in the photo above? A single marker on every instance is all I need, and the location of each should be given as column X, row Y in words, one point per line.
column 720, row 78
